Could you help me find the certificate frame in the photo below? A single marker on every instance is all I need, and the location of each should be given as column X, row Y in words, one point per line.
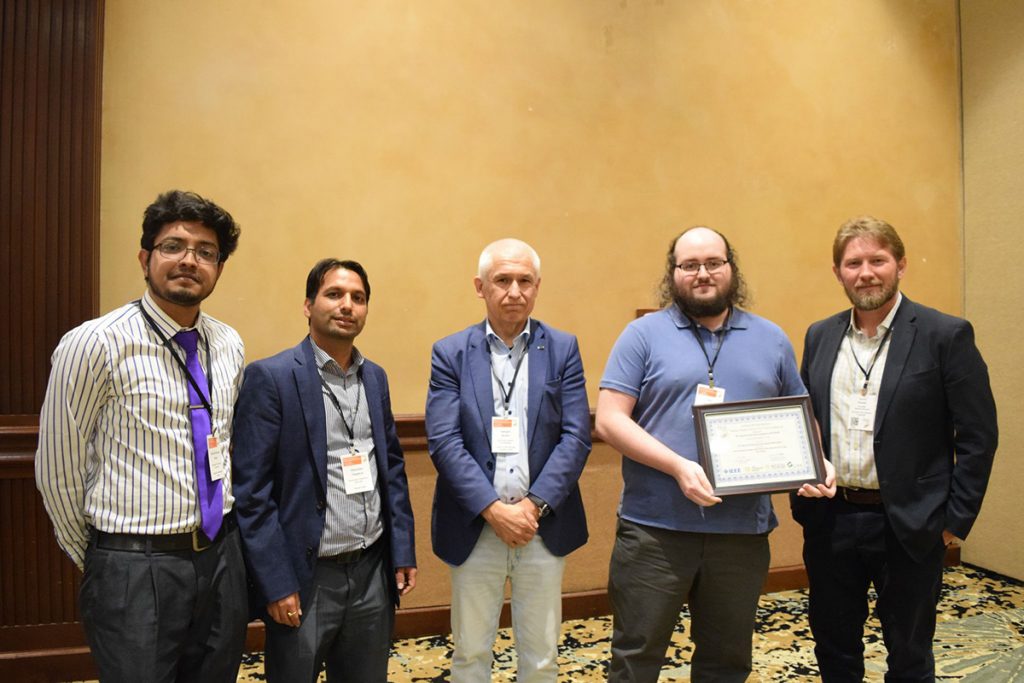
column 761, row 446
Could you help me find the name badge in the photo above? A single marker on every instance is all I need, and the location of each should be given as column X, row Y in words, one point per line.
column 708, row 394
column 355, row 467
column 862, row 413
column 215, row 457
column 505, row 434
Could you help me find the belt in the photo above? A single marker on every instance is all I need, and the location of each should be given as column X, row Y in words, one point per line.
column 164, row 543
column 350, row 556
column 860, row 496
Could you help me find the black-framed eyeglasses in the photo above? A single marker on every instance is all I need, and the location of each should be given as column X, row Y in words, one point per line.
column 711, row 265
column 175, row 250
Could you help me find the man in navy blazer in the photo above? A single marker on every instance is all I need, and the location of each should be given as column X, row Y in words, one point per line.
column 321, row 492
column 908, row 420
column 508, row 427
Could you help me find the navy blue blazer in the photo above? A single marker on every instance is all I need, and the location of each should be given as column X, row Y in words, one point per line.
column 935, row 424
column 460, row 405
column 279, row 455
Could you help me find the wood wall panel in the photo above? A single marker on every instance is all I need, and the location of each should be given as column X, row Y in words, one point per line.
column 38, row 583
column 50, row 87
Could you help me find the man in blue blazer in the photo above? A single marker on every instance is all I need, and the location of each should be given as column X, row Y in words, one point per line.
column 508, row 427
column 322, row 496
column 908, row 420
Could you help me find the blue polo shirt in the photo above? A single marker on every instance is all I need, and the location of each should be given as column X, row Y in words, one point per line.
column 658, row 361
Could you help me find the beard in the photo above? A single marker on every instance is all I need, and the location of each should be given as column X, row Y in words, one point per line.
column 177, row 294
column 183, row 297
column 871, row 302
column 705, row 308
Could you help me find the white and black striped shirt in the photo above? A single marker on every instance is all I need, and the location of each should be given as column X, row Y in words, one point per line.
column 115, row 433
column 352, row 521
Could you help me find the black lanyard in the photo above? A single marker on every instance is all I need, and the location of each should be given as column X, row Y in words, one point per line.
column 721, row 342
column 192, row 380
column 355, row 412
column 506, row 398
column 874, row 359
column 351, row 433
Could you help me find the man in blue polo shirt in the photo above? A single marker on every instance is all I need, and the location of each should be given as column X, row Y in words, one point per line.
column 676, row 541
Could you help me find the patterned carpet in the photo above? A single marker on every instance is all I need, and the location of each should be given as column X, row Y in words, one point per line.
column 979, row 639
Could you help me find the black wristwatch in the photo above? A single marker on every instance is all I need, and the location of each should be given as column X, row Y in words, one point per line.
column 544, row 508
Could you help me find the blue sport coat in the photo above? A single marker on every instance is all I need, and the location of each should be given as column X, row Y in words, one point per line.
column 460, row 405
column 279, row 455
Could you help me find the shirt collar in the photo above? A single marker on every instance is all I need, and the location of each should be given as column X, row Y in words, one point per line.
column 882, row 326
column 325, row 362
column 498, row 345
column 737, row 320
column 165, row 323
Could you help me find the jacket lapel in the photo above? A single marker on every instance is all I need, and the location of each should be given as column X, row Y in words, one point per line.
column 904, row 330
column 371, row 386
column 307, row 383
column 479, row 361
column 830, row 345
column 538, row 360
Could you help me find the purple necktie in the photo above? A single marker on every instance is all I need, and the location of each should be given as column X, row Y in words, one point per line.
column 211, row 498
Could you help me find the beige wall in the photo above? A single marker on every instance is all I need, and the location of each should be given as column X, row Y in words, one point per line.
column 993, row 99
column 407, row 134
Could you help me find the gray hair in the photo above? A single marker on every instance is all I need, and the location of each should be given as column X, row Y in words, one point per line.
column 507, row 244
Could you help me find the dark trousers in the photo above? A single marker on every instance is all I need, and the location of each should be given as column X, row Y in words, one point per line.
column 347, row 625
column 853, row 549
column 175, row 616
column 654, row 571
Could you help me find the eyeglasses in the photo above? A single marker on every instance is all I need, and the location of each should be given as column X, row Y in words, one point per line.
column 175, row 250
column 711, row 265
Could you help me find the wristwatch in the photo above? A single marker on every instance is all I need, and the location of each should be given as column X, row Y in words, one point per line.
column 544, row 508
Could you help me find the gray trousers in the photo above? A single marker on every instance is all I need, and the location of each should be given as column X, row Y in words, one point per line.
column 655, row 571
column 176, row 616
column 347, row 625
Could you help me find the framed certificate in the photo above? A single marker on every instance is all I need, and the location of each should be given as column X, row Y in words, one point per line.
column 762, row 446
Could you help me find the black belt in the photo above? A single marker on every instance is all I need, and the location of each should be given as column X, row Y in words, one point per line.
column 352, row 555
column 860, row 496
column 164, row 543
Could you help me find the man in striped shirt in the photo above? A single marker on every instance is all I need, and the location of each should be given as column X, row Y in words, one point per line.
column 323, row 500
column 133, row 461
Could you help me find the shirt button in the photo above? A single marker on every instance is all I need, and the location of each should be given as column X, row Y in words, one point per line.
column 490, row 464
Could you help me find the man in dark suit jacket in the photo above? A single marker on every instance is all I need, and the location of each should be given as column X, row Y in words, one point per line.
column 322, row 496
column 508, row 427
column 908, row 420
